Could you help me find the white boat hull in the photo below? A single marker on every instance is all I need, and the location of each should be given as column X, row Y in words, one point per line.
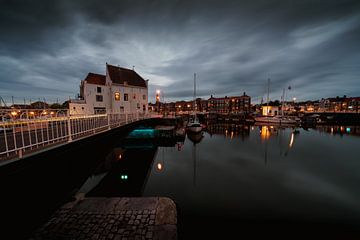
column 275, row 120
column 195, row 129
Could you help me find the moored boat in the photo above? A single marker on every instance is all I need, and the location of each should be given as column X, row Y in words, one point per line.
column 194, row 124
column 275, row 120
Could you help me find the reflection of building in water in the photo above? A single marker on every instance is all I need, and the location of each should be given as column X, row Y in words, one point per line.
column 340, row 130
column 229, row 130
column 267, row 131
column 264, row 132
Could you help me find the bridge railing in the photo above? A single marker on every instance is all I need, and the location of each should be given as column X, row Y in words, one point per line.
column 21, row 136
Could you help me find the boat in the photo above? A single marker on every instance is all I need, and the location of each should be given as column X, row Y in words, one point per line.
column 195, row 137
column 276, row 119
column 194, row 127
column 194, row 124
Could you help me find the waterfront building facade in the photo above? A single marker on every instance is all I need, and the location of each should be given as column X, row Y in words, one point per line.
column 121, row 90
column 230, row 105
column 340, row 104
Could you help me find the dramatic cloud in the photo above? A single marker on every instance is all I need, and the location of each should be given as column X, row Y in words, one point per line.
column 47, row 47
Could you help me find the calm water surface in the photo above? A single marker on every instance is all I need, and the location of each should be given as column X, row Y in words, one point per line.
column 249, row 178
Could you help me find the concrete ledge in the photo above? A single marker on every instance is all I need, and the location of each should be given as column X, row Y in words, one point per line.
column 165, row 212
column 112, row 218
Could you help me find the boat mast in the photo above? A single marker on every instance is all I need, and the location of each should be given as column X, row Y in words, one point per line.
column 267, row 98
column 195, row 94
column 282, row 104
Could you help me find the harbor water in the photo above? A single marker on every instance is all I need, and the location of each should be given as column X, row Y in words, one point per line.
column 241, row 179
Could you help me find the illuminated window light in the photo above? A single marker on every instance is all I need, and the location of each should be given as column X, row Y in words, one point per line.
column 117, row 96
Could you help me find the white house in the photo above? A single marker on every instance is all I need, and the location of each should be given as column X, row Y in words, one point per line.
column 121, row 90
column 270, row 110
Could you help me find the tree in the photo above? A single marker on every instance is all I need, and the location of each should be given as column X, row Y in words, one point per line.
column 55, row 106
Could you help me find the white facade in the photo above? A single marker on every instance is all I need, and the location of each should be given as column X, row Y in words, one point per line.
column 99, row 94
column 270, row 110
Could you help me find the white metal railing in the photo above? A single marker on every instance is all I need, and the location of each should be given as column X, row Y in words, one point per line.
column 19, row 136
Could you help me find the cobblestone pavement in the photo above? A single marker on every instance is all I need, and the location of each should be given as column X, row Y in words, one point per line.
column 113, row 218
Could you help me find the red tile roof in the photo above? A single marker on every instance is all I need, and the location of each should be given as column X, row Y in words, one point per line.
column 120, row 75
column 95, row 79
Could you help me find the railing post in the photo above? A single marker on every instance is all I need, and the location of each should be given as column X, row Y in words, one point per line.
column 69, row 126
column 108, row 118
column 6, row 143
column 126, row 118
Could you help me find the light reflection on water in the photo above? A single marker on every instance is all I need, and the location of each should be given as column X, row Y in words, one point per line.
column 253, row 174
column 263, row 171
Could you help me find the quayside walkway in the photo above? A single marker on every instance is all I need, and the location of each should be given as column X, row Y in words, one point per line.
column 26, row 132
column 113, row 218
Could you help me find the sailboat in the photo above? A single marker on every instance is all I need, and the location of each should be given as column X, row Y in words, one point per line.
column 194, row 124
column 277, row 119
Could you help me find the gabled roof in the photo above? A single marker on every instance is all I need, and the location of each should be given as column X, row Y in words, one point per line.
column 95, row 78
column 120, row 75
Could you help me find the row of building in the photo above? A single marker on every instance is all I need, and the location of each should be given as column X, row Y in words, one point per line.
column 222, row 105
column 122, row 90
column 336, row 105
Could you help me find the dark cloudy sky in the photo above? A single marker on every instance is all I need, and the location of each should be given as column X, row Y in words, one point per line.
column 47, row 47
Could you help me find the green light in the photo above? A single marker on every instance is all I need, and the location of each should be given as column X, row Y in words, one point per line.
column 124, row 177
column 142, row 133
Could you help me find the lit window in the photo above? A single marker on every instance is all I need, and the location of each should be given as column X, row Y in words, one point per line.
column 117, row 96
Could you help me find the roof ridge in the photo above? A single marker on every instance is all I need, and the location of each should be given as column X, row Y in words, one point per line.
column 97, row 74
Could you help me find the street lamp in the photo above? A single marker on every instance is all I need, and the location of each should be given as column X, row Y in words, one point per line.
column 294, row 99
column 157, row 98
